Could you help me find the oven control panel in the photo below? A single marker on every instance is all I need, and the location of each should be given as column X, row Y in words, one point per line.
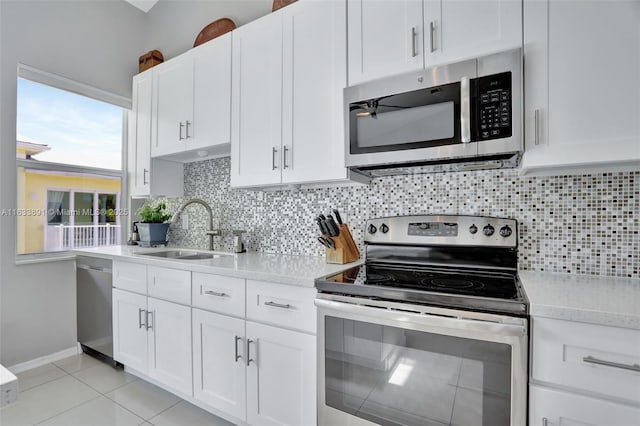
column 433, row 229
column 443, row 230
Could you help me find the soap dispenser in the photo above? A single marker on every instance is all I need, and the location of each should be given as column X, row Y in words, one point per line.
column 238, row 243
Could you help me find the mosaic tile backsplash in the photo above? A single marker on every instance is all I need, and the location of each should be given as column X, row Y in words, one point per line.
column 586, row 224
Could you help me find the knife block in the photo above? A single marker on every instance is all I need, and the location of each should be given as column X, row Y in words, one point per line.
column 346, row 250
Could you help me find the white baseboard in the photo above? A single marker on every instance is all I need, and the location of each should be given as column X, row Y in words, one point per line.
column 28, row 365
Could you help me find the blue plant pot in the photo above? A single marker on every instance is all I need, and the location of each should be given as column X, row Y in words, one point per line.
column 153, row 232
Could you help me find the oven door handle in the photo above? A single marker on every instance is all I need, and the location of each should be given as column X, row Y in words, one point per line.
column 386, row 313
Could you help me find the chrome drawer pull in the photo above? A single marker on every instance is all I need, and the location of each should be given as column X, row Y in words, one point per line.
column 236, row 348
column 278, row 305
column 592, row 360
column 249, row 359
column 153, row 317
column 140, row 324
column 215, row 293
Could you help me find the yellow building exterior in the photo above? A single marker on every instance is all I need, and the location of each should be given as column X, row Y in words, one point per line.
column 33, row 186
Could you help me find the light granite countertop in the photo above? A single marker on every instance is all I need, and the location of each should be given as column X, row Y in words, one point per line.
column 585, row 298
column 285, row 269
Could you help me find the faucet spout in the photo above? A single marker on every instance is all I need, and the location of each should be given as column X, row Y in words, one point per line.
column 210, row 232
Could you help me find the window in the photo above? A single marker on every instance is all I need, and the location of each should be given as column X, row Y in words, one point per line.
column 69, row 166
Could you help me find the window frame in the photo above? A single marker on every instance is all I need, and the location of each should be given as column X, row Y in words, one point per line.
column 58, row 82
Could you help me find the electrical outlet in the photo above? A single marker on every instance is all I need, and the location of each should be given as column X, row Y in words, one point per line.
column 185, row 220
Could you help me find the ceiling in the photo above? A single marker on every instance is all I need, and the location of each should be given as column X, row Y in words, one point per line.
column 143, row 5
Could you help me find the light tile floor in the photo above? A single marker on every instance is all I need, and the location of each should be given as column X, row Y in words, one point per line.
column 82, row 391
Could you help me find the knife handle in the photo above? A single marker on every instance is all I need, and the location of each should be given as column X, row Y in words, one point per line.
column 324, row 229
column 336, row 213
column 334, row 230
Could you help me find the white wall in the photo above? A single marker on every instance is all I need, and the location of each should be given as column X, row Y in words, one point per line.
column 174, row 24
column 93, row 42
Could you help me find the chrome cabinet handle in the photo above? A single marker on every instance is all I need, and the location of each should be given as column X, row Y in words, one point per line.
column 140, row 324
column 180, row 131
column 145, row 172
column 536, row 115
column 465, row 110
column 153, row 317
column 215, row 293
column 284, row 157
column 249, row 359
column 186, row 130
column 274, row 153
column 238, row 338
column 591, row 360
column 544, row 421
column 278, row 305
column 432, row 36
column 414, row 37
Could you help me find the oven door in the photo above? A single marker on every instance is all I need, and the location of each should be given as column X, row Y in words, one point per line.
column 418, row 116
column 394, row 364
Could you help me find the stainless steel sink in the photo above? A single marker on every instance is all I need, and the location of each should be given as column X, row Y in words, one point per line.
column 184, row 254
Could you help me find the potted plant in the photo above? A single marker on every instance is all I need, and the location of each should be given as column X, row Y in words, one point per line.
column 153, row 225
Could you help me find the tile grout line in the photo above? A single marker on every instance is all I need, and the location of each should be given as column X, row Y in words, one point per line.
column 166, row 409
column 43, row 383
column 69, row 409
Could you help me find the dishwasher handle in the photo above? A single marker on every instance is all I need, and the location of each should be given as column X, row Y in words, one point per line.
column 93, row 268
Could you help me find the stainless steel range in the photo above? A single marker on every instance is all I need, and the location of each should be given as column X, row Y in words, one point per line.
column 431, row 330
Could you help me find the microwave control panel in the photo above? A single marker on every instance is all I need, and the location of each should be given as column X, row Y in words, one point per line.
column 493, row 106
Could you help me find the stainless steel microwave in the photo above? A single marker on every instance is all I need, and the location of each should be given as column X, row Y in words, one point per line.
column 461, row 116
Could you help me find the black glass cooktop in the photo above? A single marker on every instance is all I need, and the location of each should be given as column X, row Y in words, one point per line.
column 482, row 284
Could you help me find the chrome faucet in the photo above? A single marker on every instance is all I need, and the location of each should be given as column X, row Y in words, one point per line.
column 211, row 232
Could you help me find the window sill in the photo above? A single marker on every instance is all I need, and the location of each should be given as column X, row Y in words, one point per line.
column 30, row 259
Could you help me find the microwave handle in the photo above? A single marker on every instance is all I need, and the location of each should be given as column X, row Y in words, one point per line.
column 465, row 110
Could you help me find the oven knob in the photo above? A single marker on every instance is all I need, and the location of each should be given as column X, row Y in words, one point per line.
column 473, row 229
column 505, row 231
column 488, row 230
column 384, row 228
column 372, row 229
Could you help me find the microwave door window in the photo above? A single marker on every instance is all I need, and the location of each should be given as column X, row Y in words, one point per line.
column 406, row 125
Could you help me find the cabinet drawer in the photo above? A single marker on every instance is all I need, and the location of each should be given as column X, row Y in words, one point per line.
column 564, row 408
column 130, row 276
column 572, row 354
column 170, row 284
column 218, row 293
column 283, row 305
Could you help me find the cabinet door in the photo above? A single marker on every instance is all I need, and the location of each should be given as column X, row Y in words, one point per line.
column 139, row 162
column 281, row 377
column 256, row 115
column 129, row 329
column 211, row 94
column 314, row 77
column 384, row 38
column 173, row 105
column 218, row 362
column 461, row 29
column 587, row 107
column 170, row 344
column 566, row 409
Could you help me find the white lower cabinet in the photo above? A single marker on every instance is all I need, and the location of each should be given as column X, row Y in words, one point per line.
column 281, row 376
column 170, row 344
column 129, row 329
column 219, row 368
column 551, row 407
column 584, row 374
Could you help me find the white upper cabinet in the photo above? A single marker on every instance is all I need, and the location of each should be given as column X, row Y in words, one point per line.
column 392, row 37
column 148, row 176
column 460, row 29
column 192, row 100
column 139, row 161
column 384, row 38
column 289, row 71
column 314, row 75
column 582, row 61
column 256, row 119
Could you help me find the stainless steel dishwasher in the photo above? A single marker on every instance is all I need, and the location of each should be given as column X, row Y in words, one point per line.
column 93, row 285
